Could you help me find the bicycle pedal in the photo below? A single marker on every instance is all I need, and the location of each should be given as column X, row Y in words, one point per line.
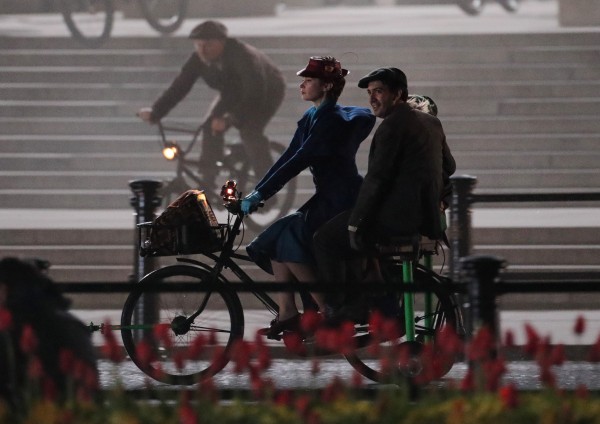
column 277, row 337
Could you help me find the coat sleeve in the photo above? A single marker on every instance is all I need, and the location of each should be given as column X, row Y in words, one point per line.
column 318, row 143
column 448, row 168
column 179, row 88
column 385, row 150
column 246, row 83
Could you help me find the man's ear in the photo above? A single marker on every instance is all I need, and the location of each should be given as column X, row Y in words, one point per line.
column 328, row 86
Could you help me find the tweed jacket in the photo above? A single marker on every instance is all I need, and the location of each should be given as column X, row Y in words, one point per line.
column 248, row 83
column 409, row 165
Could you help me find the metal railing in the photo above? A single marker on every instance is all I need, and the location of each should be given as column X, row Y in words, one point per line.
column 463, row 198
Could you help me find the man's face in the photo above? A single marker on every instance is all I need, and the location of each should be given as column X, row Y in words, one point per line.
column 209, row 51
column 381, row 98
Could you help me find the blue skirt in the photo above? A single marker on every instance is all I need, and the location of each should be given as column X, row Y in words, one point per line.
column 289, row 239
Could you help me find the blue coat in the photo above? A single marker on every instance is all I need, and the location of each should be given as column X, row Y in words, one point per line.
column 326, row 142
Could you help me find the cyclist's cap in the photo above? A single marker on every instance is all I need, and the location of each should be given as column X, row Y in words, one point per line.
column 208, row 30
column 323, row 67
column 392, row 77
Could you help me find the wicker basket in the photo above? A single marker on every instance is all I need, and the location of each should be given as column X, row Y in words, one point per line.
column 187, row 226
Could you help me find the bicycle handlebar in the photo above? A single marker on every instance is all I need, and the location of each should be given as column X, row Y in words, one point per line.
column 232, row 198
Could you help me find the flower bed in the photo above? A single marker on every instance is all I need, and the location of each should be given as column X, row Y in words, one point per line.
column 481, row 397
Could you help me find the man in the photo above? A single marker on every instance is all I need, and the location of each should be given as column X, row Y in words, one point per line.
column 250, row 86
column 400, row 196
column 37, row 332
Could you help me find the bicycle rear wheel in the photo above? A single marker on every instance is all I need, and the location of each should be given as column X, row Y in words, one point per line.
column 165, row 16
column 510, row 5
column 89, row 21
column 161, row 340
column 387, row 357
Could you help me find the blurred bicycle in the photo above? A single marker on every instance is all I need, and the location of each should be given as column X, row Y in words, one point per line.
column 475, row 7
column 91, row 21
column 177, row 141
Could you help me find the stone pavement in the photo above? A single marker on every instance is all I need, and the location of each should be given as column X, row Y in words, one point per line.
column 534, row 16
column 558, row 325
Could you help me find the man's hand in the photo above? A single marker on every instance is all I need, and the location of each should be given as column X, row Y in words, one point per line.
column 355, row 239
column 250, row 202
column 145, row 114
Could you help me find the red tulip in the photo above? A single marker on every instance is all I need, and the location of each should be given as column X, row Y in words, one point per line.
column 579, row 327
column 509, row 339
column 310, row 321
column 509, row 396
column 533, row 340
column 594, row 353
column 5, row 319
column 28, row 342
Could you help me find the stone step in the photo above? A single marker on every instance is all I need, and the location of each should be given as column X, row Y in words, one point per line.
column 93, row 267
column 524, row 41
column 441, row 92
column 115, row 263
column 120, row 198
column 468, row 143
column 557, row 256
column 101, row 179
column 92, row 229
column 124, row 125
column 88, row 198
column 290, row 58
column 292, row 110
column 142, row 161
column 98, row 245
column 439, row 73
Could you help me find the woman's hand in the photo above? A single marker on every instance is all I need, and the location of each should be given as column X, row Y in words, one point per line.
column 250, row 202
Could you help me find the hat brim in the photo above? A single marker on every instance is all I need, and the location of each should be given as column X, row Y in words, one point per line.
column 308, row 73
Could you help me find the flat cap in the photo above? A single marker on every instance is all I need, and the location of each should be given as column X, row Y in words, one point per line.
column 392, row 77
column 209, row 30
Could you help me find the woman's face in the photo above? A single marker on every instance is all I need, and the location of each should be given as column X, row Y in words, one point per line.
column 312, row 89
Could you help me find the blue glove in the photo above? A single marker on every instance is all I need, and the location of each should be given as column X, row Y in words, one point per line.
column 250, row 202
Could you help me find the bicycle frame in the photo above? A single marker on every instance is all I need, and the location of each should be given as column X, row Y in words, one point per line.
column 226, row 259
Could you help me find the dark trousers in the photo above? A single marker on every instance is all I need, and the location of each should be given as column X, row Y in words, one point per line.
column 256, row 147
column 336, row 261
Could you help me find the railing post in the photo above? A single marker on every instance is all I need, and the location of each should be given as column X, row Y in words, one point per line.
column 480, row 274
column 145, row 202
column 460, row 221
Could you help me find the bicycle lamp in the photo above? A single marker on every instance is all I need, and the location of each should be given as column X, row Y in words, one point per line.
column 229, row 190
column 171, row 150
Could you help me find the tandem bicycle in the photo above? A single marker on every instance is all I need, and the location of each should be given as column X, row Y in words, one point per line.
column 216, row 312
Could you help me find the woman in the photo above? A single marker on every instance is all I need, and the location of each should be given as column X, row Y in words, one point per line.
column 326, row 142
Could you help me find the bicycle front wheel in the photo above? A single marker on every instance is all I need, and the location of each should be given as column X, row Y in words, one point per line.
column 89, row 21
column 471, row 7
column 165, row 16
column 181, row 337
column 387, row 357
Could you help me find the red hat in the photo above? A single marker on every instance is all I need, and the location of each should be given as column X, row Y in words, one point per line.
column 323, row 67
